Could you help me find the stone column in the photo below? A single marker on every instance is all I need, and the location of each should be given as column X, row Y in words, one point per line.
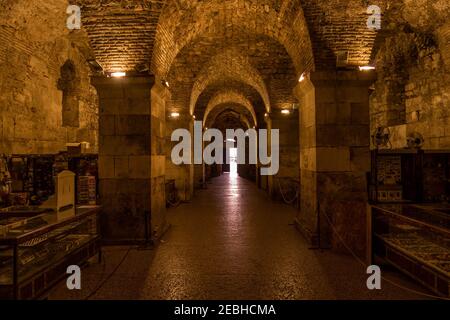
column 334, row 157
column 268, row 120
column 131, row 157
column 159, row 97
column 191, row 168
column 182, row 174
column 289, row 144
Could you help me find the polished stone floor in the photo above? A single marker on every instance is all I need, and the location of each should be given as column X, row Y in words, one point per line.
column 231, row 242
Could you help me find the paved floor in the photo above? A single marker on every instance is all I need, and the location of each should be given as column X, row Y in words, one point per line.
column 231, row 242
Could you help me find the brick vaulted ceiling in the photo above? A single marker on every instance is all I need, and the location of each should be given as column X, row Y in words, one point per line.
column 257, row 48
column 230, row 99
column 122, row 32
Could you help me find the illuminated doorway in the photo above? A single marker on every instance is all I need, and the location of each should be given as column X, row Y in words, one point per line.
column 233, row 162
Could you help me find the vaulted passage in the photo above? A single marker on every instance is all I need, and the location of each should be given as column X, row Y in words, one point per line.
column 225, row 149
column 232, row 242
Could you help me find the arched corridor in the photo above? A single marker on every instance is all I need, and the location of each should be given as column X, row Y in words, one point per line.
column 119, row 119
column 232, row 242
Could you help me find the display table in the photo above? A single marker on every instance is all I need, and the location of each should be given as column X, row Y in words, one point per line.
column 36, row 249
column 416, row 240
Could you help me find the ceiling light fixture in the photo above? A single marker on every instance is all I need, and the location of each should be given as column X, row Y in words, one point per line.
column 302, row 77
column 174, row 114
column 285, row 111
column 366, row 68
column 118, row 74
column 94, row 65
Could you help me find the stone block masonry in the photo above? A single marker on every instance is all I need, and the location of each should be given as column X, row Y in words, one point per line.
column 132, row 157
column 412, row 95
column 31, row 112
column 334, row 158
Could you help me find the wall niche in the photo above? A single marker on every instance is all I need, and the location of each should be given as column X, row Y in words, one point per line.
column 69, row 83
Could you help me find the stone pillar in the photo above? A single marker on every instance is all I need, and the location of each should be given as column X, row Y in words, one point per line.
column 159, row 97
column 334, row 157
column 289, row 154
column 270, row 180
column 131, row 157
column 182, row 174
column 191, row 166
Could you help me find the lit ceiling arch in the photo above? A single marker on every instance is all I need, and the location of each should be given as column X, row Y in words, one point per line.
column 229, row 64
column 228, row 97
column 183, row 21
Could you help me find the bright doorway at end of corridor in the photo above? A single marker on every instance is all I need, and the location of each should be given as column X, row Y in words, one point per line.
column 233, row 162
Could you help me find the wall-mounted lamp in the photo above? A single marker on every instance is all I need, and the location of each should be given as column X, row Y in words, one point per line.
column 118, row 74
column 94, row 65
column 285, row 111
column 193, row 116
column 366, row 68
column 302, row 77
column 266, row 114
column 174, row 115
column 165, row 83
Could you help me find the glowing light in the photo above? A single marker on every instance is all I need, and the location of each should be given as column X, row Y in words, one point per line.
column 118, row 74
column 193, row 117
column 285, row 111
column 302, row 77
column 174, row 114
column 366, row 68
column 233, row 163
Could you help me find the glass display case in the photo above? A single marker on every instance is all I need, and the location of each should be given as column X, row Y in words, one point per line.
column 409, row 175
column 414, row 238
column 37, row 248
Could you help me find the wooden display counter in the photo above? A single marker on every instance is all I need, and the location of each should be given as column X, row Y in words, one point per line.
column 415, row 239
column 37, row 248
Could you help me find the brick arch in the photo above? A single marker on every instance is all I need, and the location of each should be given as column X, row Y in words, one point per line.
column 126, row 34
column 229, row 64
column 230, row 97
column 224, row 84
column 224, row 112
column 182, row 22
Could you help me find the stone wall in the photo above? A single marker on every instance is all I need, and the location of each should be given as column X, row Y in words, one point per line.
column 34, row 45
column 412, row 90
